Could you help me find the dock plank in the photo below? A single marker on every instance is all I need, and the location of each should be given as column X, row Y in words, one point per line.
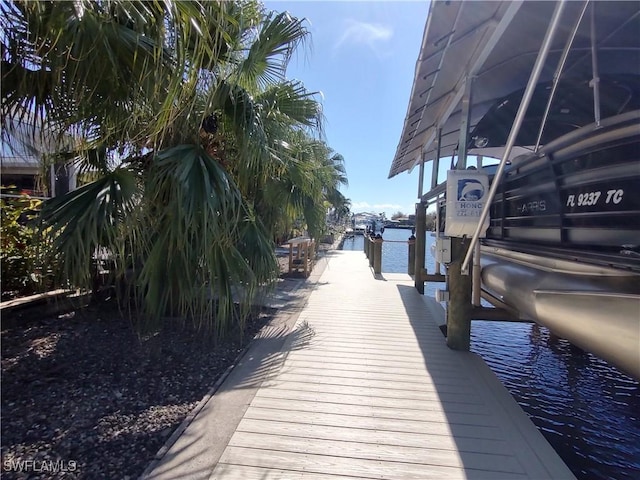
column 356, row 371
column 417, row 411
column 381, row 437
column 370, row 392
column 326, row 379
column 435, row 364
column 436, row 424
column 244, row 472
column 415, row 371
column 452, row 411
column 358, row 467
column 360, row 449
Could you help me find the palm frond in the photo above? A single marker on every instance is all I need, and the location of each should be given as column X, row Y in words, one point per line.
column 196, row 254
column 290, row 103
column 271, row 49
column 88, row 218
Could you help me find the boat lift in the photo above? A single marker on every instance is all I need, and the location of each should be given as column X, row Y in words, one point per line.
column 486, row 50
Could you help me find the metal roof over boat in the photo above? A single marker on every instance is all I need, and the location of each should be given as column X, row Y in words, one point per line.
column 496, row 43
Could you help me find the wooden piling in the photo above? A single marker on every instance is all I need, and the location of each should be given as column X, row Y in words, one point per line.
column 377, row 255
column 459, row 307
column 411, row 264
column 421, row 232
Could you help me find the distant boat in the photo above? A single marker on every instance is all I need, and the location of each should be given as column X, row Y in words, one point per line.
column 406, row 224
column 360, row 229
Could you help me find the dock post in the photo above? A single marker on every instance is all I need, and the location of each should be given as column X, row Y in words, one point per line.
column 459, row 307
column 421, row 233
column 290, row 257
column 371, row 252
column 377, row 255
column 476, row 294
column 364, row 245
column 411, row 264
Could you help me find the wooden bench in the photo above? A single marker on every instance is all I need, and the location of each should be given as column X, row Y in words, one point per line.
column 303, row 259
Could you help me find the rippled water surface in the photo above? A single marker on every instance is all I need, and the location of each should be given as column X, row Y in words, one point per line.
column 587, row 410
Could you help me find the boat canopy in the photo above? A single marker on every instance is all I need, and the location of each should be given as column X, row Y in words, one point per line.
column 496, row 44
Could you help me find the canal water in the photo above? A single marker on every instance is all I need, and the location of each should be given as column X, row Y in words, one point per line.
column 587, row 410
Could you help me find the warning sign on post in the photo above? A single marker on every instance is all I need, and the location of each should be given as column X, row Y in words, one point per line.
column 466, row 193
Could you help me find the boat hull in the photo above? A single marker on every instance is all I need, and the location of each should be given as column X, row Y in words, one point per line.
column 582, row 192
column 596, row 308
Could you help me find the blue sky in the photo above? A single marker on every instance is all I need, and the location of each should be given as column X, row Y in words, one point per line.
column 362, row 57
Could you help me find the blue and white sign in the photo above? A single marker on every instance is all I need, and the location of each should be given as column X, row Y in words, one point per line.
column 466, row 192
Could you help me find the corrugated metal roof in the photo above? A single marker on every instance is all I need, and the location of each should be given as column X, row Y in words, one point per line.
column 497, row 42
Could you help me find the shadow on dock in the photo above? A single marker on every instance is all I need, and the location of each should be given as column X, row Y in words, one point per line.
column 479, row 425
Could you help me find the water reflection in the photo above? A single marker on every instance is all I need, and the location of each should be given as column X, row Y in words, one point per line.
column 587, row 410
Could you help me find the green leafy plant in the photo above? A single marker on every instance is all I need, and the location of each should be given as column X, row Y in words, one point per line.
column 26, row 252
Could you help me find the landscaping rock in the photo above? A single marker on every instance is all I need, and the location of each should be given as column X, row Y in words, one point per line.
column 83, row 396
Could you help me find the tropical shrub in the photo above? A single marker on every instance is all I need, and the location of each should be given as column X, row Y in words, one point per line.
column 27, row 260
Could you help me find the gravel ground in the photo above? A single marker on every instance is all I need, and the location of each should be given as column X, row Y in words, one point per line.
column 83, row 394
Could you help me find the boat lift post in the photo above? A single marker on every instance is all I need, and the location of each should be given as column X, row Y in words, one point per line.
column 420, row 247
column 595, row 82
column 417, row 242
column 437, row 230
column 476, row 284
column 459, row 307
column 558, row 73
column 421, row 175
column 417, row 264
column 434, row 183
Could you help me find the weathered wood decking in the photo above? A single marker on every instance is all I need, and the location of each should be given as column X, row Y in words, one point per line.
column 368, row 389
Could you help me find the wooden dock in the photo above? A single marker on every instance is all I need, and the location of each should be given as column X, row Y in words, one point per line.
column 368, row 389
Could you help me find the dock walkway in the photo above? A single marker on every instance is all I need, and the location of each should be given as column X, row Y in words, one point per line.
column 362, row 387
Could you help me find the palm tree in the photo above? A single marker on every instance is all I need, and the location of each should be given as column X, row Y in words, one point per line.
column 179, row 109
column 342, row 211
column 302, row 180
